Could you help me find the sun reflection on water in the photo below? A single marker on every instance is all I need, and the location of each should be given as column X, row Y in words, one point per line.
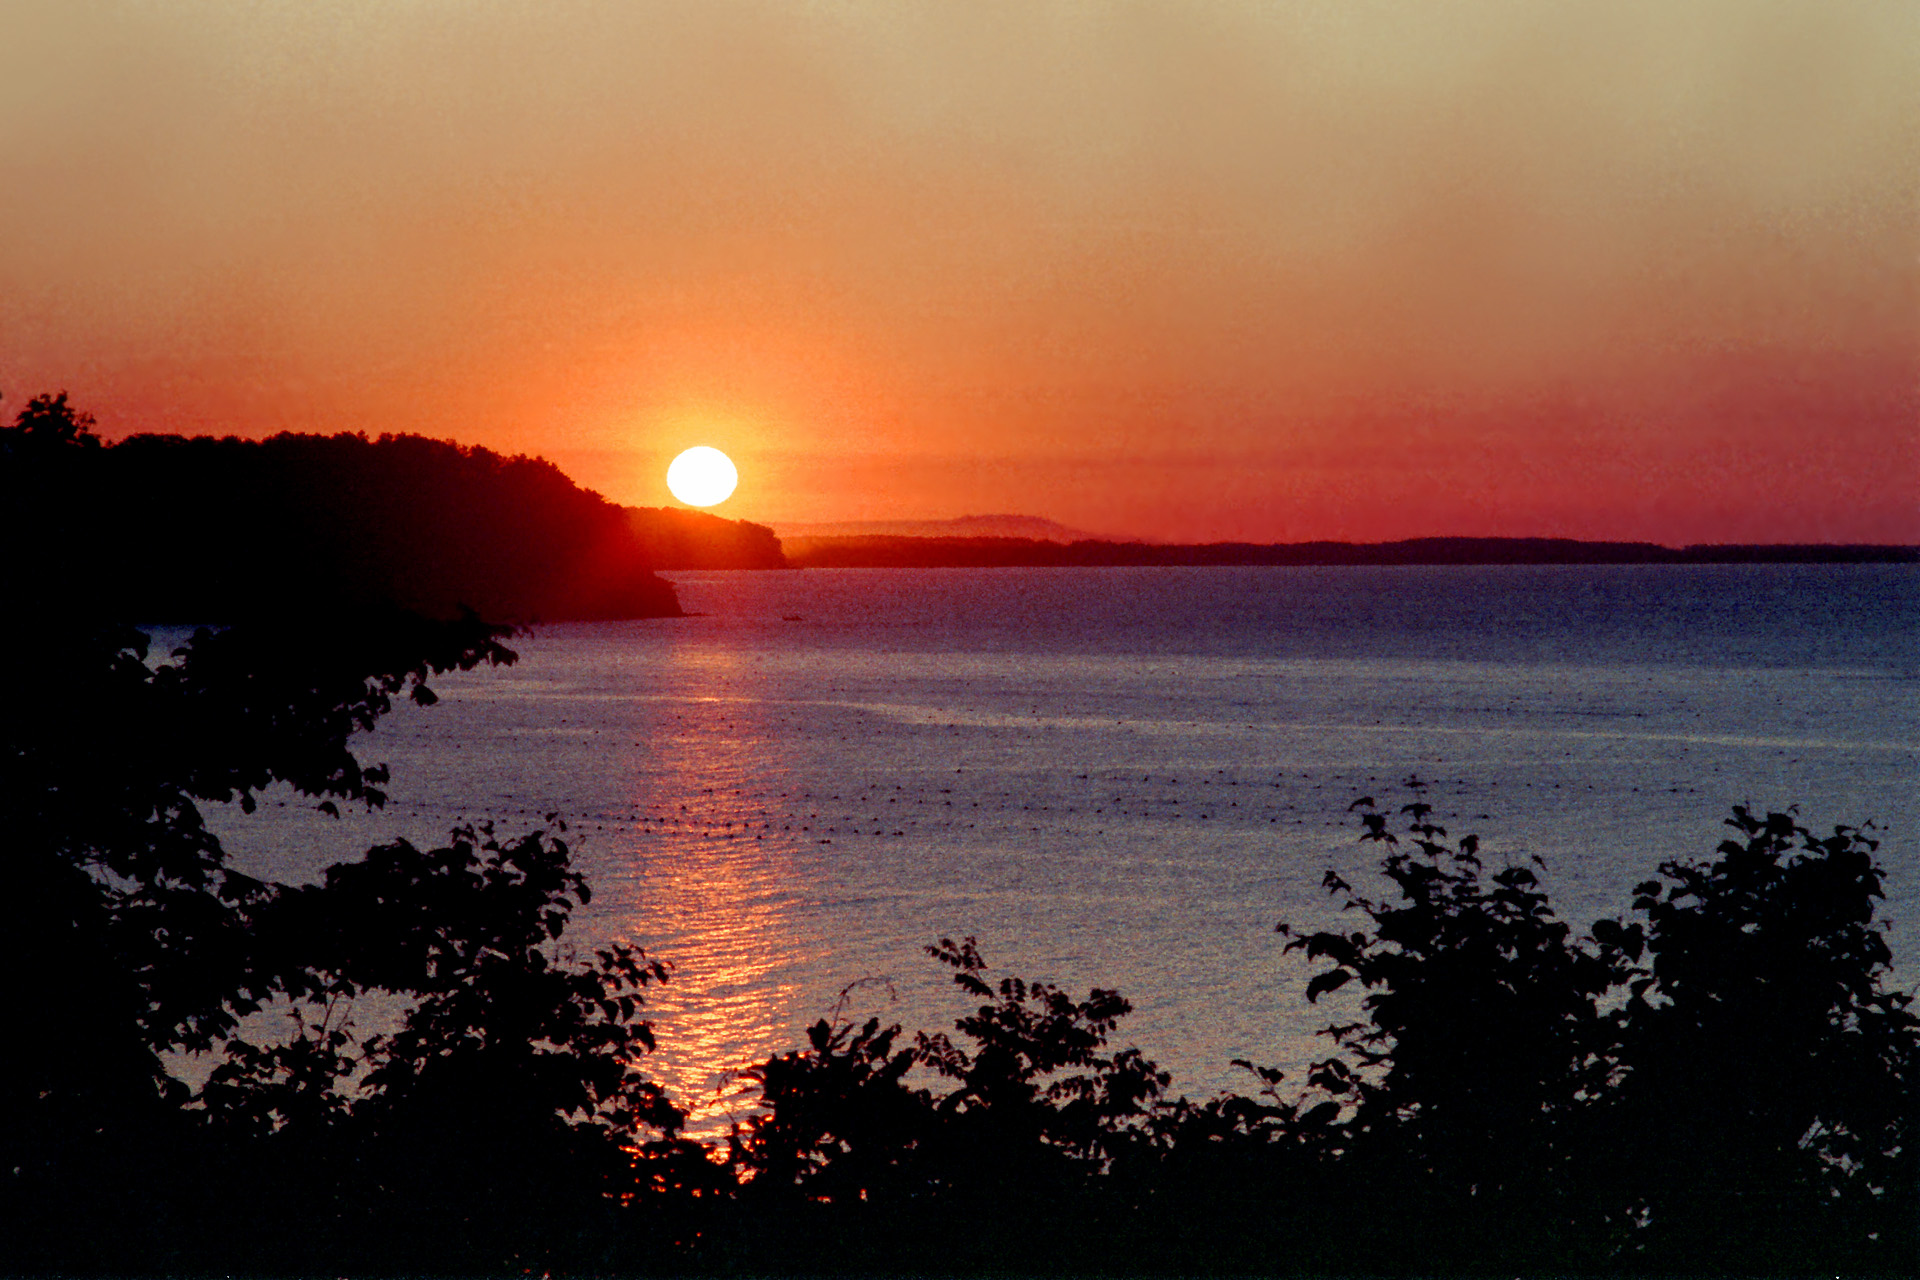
column 711, row 887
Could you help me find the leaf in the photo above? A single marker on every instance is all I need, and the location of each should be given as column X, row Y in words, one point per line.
column 1321, row 1116
column 1332, row 980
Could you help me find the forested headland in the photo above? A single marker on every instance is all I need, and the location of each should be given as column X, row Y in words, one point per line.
column 1718, row 1078
column 676, row 538
column 171, row 529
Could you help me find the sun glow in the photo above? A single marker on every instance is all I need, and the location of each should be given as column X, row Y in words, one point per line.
column 702, row 476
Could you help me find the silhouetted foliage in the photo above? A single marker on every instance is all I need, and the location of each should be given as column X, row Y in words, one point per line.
column 47, row 427
column 1770, row 1077
column 1724, row 1085
column 505, row 1109
column 108, row 758
column 1485, row 1042
column 852, row 1165
column 839, row 1122
column 493, row 1120
column 1027, row 1037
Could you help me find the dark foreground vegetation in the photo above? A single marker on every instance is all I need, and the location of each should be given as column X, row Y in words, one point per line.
column 405, row 1069
column 1717, row 1081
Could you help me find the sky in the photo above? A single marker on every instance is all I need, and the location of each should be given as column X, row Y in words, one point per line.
column 1193, row 271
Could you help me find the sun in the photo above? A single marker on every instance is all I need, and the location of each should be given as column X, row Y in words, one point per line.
column 702, row 476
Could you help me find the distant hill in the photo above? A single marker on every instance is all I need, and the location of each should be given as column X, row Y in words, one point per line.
column 675, row 538
column 1035, row 528
column 909, row 552
column 170, row 529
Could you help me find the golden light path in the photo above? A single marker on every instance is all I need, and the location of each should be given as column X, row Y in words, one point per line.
column 702, row 476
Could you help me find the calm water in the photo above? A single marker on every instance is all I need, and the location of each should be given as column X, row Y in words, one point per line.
column 1124, row 777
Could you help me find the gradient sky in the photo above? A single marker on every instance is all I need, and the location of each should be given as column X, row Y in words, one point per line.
column 1270, row 271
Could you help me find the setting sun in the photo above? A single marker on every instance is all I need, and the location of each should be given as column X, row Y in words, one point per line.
column 702, row 476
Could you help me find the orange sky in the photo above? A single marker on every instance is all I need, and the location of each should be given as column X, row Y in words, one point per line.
column 1234, row 270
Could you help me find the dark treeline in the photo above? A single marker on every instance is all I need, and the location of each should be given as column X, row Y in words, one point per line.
column 171, row 529
column 886, row 552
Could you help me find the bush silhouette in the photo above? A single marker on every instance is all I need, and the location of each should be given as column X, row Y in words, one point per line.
column 853, row 1166
column 506, row 1104
column 1769, row 1075
column 1724, row 1084
column 1467, row 1086
column 506, row 1108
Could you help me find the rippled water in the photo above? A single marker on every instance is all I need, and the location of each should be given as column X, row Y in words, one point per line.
column 1124, row 777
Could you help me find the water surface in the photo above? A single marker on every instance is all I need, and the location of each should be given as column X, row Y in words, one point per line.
column 1125, row 777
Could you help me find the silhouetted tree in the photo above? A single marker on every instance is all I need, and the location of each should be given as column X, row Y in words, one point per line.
column 1725, row 1084
column 852, row 1166
column 838, row 1122
column 1483, row 1047
column 502, row 1115
column 494, row 1123
column 1036, row 1077
column 47, row 425
column 1771, row 1091
column 121, row 903
column 1238, row 1184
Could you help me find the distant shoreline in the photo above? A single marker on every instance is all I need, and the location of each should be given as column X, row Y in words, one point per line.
column 905, row 552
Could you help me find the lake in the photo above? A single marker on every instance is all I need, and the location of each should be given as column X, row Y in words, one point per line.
column 1125, row 777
